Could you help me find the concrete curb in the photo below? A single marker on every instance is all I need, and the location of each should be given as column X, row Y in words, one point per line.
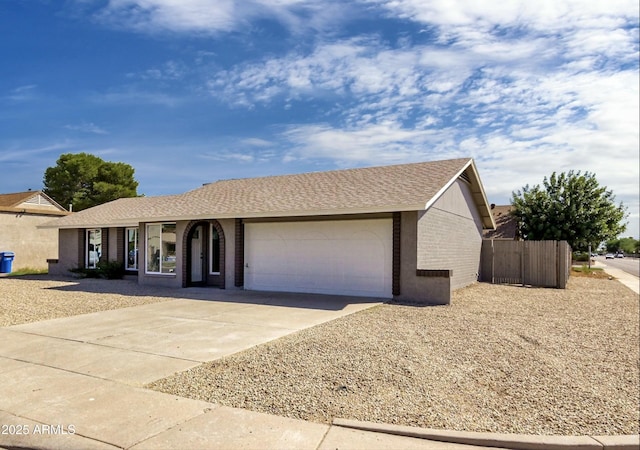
column 500, row 440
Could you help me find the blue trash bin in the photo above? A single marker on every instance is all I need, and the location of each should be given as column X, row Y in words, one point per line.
column 6, row 260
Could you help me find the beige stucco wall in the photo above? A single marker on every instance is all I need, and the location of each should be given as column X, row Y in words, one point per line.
column 450, row 235
column 32, row 246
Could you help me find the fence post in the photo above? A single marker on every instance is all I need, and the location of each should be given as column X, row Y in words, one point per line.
column 522, row 262
column 558, row 264
column 493, row 270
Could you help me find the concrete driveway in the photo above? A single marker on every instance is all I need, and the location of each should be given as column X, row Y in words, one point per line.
column 141, row 344
column 76, row 382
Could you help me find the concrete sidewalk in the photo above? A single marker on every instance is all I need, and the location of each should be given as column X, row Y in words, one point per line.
column 76, row 382
column 631, row 281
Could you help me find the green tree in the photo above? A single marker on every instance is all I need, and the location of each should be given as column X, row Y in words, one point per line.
column 628, row 245
column 612, row 245
column 571, row 207
column 84, row 180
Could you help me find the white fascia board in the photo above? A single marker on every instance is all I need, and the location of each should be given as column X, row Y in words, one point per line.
column 484, row 196
column 476, row 177
column 444, row 188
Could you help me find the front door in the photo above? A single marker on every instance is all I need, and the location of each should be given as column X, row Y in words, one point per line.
column 204, row 255
column 197, row 255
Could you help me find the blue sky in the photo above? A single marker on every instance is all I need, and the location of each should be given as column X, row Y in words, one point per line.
column 191, row 91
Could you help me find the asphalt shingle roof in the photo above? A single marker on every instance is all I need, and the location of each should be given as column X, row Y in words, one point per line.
column 374, row 189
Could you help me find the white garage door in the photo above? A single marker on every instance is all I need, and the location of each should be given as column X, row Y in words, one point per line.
column 348, row 257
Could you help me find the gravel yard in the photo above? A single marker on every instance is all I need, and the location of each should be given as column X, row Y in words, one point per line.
column 500, row 358
column 38, row 297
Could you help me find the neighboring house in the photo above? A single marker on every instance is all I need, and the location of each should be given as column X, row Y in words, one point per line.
column 20, row 215
column 411, row 232
column 506, row 224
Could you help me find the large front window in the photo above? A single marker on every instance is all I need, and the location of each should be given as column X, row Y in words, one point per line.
column 131, row 248
column 94, row 248
column 161, row 248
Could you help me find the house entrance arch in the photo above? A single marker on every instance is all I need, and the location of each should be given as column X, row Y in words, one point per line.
column 204, row 254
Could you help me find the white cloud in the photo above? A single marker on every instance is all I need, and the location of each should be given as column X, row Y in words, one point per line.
column 22, row 93
column 524, row 87
column 372, row 144
column 87, row 127
column 256, row 142
column 226, row 155
column 174, row 15
column 12, row 154
column 169, row 71
column 129, row 95
column 215, row 16
column 485, row 14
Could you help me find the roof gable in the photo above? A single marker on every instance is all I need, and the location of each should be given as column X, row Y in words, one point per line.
column 33, row 202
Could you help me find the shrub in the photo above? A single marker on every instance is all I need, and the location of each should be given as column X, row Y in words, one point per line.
column 111, row 270
column 581, row 256
column 85, row 272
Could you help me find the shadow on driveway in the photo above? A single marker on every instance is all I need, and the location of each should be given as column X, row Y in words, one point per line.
column 130, row 287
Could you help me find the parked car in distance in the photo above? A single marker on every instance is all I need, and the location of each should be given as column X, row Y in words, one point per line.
column 609, row 256
column 619, row 255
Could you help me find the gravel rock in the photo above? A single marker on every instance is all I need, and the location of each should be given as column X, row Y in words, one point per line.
column 498, row 359
column 40, row 297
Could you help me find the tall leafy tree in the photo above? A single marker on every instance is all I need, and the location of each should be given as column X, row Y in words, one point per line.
column 571, row 206
column 84, row 180
column 627, row 245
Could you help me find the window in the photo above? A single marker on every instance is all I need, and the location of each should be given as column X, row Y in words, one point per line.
column 131, row 248
column 215, row 251
column 94, row 248
column 161, row 248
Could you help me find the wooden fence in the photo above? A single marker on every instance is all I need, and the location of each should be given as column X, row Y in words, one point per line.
column 534, row 263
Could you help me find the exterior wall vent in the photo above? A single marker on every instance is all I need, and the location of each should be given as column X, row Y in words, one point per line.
column 38, row 200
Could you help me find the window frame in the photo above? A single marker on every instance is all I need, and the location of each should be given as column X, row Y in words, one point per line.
column 160, row 250
column 87, row 251
column 213, row 231
column 136, row 249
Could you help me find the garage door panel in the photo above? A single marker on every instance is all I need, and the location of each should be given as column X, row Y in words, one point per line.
column 333, row 257
column 275, row 248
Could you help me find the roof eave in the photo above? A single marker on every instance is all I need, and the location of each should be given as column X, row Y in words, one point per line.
column 37, row 212
column 239, row 215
